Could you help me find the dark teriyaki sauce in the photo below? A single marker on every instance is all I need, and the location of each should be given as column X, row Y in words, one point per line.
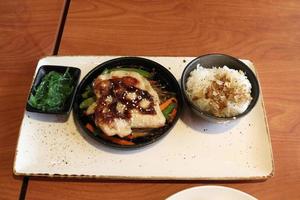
column 116, row 90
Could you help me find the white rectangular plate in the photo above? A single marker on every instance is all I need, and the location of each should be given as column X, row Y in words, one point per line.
column 193, row 150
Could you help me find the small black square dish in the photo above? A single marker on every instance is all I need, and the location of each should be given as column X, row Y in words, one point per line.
column 53, row 90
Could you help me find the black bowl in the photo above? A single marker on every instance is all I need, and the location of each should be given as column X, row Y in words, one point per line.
column 161, row 74
column 45, row 69
column 219, row 60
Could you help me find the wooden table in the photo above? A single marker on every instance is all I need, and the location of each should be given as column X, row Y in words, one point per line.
column 266, row 32
column 27, row 32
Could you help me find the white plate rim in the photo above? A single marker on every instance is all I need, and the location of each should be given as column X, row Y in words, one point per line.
column 180, row 195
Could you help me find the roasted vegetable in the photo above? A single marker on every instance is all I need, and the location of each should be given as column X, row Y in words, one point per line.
column 168, row 110
column 88, row 92
column 117, row 140
column 90, row 127
column 142, row 72
column 86, row 103
column 166, row 103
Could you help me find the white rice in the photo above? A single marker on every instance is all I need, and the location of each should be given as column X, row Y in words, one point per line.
column 221, row 91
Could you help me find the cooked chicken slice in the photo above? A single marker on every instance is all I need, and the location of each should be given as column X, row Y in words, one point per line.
column 126, row 100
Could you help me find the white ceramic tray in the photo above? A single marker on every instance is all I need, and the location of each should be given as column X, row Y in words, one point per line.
column 193, row 150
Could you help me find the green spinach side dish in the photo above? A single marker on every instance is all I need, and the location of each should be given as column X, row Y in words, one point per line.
column 53, row 91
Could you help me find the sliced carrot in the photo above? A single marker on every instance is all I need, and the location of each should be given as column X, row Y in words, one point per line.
column 138, row 134
column 130, row 137
column 90, row 127
column 117, row 140
column 173, row 113
column 122, row 142
column 165, row 104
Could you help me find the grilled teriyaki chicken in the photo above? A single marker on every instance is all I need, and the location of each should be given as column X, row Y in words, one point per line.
column 125, row 100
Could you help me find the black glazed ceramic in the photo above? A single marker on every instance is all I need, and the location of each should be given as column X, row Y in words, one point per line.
column 45, row 69
column 161, row 74
column 219, row 60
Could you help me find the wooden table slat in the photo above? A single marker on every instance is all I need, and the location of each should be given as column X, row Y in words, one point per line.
column 27, row 32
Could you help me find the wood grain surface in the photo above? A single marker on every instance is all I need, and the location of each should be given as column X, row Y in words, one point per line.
column 266, row 32
column 27, row 32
